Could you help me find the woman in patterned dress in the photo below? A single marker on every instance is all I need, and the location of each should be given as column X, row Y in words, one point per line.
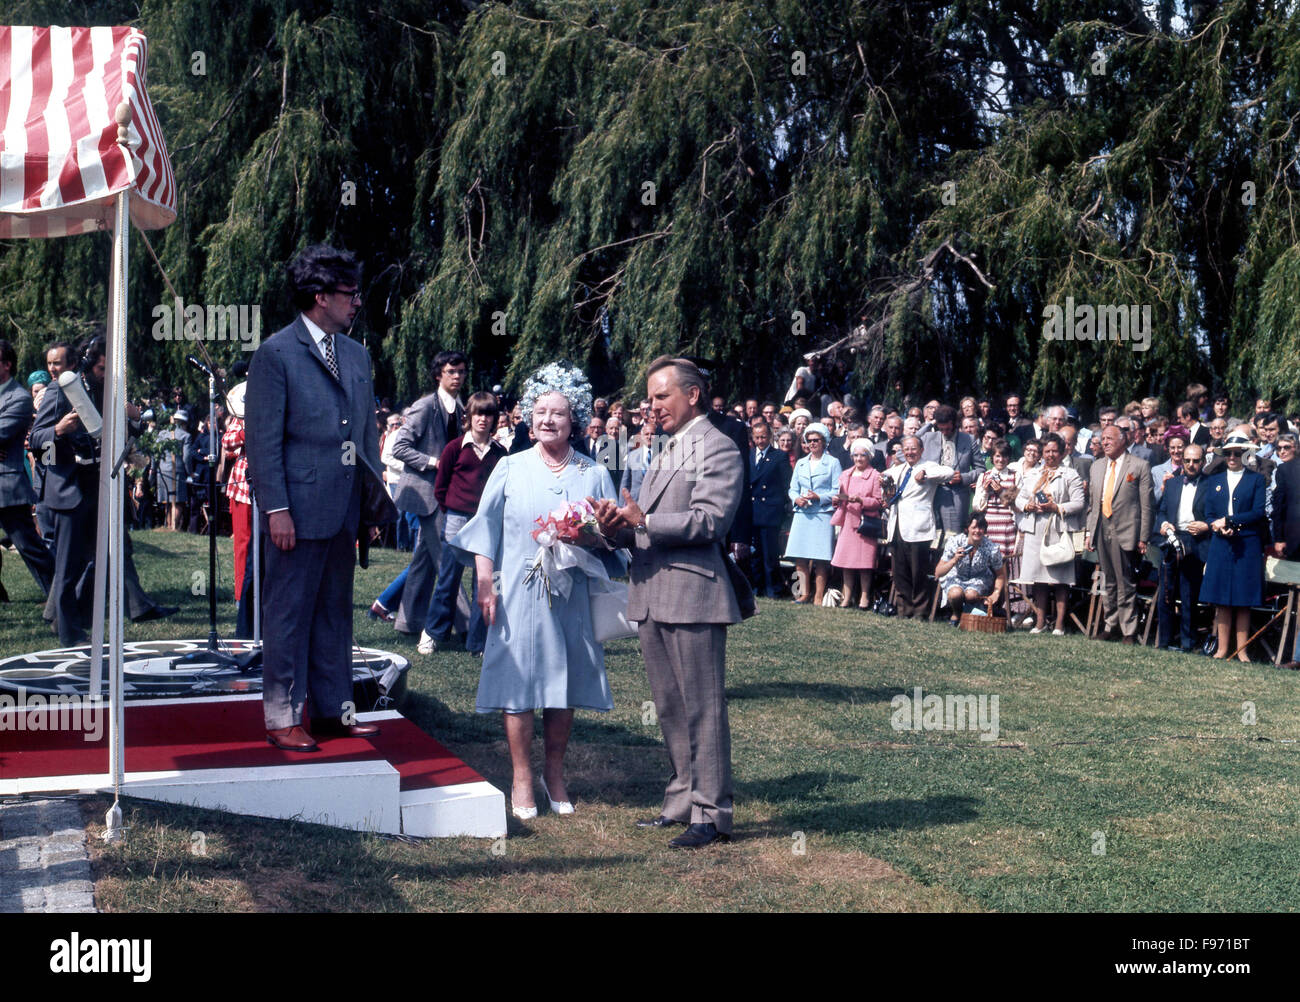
column 995, row 491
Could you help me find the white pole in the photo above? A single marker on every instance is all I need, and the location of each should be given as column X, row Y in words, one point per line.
column 113, row 441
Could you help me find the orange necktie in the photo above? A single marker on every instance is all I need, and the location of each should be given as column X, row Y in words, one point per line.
column 1108, row 490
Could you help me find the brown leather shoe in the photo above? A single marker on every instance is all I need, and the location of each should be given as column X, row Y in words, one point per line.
column 1129, row 640
column 1290, row 665
column 332, row 727
column 293, row 738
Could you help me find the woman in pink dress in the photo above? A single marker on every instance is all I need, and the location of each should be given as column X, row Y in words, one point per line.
column 858, row 495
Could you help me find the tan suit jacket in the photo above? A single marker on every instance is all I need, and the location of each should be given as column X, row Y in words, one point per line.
column 1132, row 505
column 677, row 574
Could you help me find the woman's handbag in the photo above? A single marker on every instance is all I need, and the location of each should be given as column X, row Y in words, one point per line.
column 871, row 526
column 1058, row 545
column 609, row 613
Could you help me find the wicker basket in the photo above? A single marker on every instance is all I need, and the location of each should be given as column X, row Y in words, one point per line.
column 983, row 624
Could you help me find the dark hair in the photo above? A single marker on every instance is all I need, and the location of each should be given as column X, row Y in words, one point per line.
column 483, row 403
column 1049, row 438
column 321, row 268
column 92, row 350
column 65, row 347
column 943, row 414
column 995, row 427
column 444, row 359
column 1112, row 411
column 239, row 370
column 1002, row 448
column 7, row 354
column 978, row 518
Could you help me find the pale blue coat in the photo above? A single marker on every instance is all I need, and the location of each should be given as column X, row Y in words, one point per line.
column 539, row 654
column 811, row 535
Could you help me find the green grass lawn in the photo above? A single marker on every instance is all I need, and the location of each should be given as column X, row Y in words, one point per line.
column 1122, row 779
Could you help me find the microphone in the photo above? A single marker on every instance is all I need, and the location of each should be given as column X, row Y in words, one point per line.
column 197, row 364
column 73, row 388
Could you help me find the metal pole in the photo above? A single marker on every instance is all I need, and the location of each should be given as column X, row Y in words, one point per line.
column 213, row 510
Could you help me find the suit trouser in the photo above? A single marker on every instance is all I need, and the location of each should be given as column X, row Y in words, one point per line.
column 74, row 541
column 1119, row 600
column 685, row 664
column 1179, row 580
column 70, row 605
column 414, row 607
column 16, row 520
column 307, row 629
column 911, row 564
column 766, row 542
column 446, row 593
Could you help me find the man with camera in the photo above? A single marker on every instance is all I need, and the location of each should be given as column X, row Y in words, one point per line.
column 1184, row 542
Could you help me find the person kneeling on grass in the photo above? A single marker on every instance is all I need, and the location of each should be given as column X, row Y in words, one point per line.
column 972, row 570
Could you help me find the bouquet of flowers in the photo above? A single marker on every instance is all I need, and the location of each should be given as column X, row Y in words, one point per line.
column 566, row 537
column 574, row 524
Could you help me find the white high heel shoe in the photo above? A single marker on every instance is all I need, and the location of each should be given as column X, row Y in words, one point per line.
column 557, row 807
column 523, row 813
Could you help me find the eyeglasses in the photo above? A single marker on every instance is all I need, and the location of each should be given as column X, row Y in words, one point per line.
column 353, row 294
column 1285, row 445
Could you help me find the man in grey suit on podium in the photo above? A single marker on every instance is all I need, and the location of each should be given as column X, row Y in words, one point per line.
column 682, row 597
column 310, row 429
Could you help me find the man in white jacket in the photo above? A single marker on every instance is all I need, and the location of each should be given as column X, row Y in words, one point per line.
column 911, row 524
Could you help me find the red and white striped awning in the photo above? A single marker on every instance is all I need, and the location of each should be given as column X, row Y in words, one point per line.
column 60, row 162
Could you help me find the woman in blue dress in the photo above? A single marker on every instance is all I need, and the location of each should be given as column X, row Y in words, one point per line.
column 1231, row 504
column 812, row 484
column 541, row 651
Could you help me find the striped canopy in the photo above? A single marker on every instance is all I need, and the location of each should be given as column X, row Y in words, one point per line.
column 60, row 162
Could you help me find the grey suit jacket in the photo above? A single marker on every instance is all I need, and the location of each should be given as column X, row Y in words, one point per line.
column 65, row 480
column 677, row 574
column 306, row 433
column 16, row 415
column 1132, row 506
column 422, row 437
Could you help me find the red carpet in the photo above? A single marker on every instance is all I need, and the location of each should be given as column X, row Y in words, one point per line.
column 221, row 734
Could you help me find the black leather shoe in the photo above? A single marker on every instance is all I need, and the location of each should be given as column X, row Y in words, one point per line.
column 157, row 612
column 659, row 822
column 696, row 836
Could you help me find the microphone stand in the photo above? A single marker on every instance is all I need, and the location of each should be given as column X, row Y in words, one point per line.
column 214, row 654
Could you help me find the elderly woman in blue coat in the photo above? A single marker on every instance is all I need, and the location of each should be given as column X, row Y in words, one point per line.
column 811, row 541
column 541, row 649
column 1232, row 506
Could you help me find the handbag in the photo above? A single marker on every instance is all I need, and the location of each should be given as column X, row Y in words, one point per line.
column 871, row 526
column 609, row 613
column 1059, row 550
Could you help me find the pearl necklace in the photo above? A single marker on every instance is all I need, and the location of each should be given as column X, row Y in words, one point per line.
column 555, row 467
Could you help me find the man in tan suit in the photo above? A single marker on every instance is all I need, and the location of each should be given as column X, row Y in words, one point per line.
column 1119, row 525
column 681, row 595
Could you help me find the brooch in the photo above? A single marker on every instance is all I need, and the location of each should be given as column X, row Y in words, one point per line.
column 1218, row 488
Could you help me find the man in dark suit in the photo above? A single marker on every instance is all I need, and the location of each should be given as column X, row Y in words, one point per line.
column 1180, row 575
column 430, row 423
column 769, row 482
column 70, row 490
column 1286, row 526
column 954, row 449
column 310, row 438
column 16, row 496
column 1189, row 417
